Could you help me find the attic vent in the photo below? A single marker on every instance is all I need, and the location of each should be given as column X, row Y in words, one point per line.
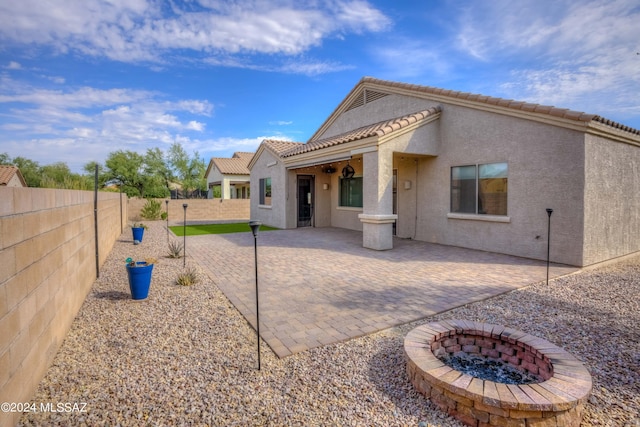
column 358, row 102
column 365, row 97
column 371, row 96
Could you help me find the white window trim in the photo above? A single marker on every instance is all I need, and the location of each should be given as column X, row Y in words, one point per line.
column 348, row 208
column 479, row 217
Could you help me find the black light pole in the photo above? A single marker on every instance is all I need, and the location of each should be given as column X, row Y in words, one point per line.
column 95, row 220
column 184, row 230
column 121, row 222
column 255, row 226
column 167, row 203
column 549, row 212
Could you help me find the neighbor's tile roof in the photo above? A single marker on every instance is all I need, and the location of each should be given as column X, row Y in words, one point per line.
column 236, row 165
column 7, row 172
column 377, row 129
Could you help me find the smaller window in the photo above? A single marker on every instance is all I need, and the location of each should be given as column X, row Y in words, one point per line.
column 265, row 191
column 351, row 192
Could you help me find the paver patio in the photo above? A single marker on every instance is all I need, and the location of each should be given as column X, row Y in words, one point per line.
column 319, row 285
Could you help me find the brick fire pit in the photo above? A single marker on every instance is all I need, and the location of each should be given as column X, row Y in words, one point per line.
column 556, row 399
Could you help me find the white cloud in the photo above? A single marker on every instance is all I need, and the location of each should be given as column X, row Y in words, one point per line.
column 147, row 30
column 84, row 124
column 299, row 65
column 13, row 65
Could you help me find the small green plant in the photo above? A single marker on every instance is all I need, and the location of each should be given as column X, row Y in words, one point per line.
column 188, row 277
column 138, row 225
column 163, row 216
column 151, row 210
column 175, row 249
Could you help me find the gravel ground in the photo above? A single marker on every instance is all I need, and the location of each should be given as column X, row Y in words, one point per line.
column 186, row 356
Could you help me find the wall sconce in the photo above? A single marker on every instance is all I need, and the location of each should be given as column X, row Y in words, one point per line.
column 407, row 185
column 325, row 186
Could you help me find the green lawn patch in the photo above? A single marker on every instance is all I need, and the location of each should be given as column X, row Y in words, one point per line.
column 199, row 229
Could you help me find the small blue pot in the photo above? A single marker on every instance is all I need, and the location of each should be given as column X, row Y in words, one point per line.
column 139, row 280
column 138, row 232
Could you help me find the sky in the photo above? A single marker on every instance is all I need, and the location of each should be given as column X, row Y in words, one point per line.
column 80, row 79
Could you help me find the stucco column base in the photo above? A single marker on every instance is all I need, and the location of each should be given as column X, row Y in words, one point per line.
column 377, row 231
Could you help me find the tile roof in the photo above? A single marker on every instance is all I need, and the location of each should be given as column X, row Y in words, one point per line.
column 7, row 172
column 525, row 107
column 377, row 129
column 236, row 165
column 279, row 147
column 508, row 103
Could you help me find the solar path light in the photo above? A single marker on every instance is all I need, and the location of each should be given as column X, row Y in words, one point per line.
column 184, row 232
column 549, row 212
column 167, row 203
column 255, row 226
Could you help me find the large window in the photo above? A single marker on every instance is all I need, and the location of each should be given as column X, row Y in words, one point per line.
column 479, row 189
column 351, row 192
column 265, row 191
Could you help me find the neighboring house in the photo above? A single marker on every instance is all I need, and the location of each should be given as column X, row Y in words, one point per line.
column 459, row 169
column 231, row 175
column 10, row 176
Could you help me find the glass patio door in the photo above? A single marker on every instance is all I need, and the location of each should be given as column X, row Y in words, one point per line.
column 305, row 200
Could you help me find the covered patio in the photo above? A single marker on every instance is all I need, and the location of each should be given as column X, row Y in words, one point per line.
column 320, row 285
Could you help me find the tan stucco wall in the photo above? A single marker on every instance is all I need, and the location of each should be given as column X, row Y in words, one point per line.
column 225, row 183
column 197, row 209
column 269, row 166
column 612, row 199
column 385, row 108
column 545, row 171
column 14, row 181
column 48, row 264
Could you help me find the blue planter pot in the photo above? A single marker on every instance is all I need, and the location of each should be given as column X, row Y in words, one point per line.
column 139, row 280
column 138, row 232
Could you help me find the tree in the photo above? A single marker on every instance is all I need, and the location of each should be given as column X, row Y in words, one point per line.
column 58, row 175
column 127, row 167
column 5, row 159
column 188, row 170
column 157, row 173
column 30, row 171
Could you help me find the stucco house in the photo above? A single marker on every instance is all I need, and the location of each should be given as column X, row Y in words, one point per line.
column 397, row 160
column 231, row 175
column 10, row 176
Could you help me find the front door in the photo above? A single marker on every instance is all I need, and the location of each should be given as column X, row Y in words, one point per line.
column 305, row 200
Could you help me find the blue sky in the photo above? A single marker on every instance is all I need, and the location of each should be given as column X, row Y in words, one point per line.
column 82, row 78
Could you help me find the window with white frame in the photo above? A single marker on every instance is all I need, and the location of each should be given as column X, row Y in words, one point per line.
column 351, row 192
column 265, row 191
column 480, row 189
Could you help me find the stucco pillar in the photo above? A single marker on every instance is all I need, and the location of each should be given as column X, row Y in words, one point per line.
column 377, row 187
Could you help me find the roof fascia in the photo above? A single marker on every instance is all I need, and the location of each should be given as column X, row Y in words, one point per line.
column 547, row 118
column 330, row 154
column 413, row 126
column 259, row 152
column 206, row 174
column 600, row 129
column 255, row 157
column 355, row 92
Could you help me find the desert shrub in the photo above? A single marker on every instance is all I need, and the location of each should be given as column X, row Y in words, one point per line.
column 175, row 249
column 151, row 210
column 187, row 278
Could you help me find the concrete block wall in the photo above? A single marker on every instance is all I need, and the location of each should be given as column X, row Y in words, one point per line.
column 47, row 267
column 198, row 209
